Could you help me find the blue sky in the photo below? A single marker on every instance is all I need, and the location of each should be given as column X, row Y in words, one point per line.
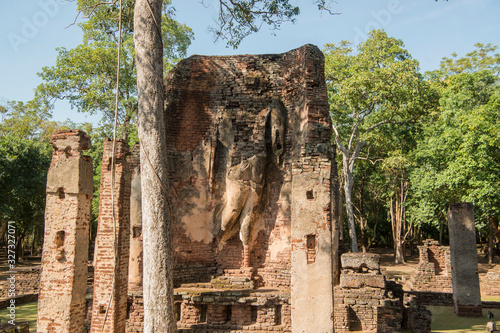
column 32, row 29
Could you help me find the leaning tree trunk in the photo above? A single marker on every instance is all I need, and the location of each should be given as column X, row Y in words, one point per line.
column 348, row 182
column 156, row 223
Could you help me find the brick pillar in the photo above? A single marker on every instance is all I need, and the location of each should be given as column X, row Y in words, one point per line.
column 105, row 261
column 463, row 255
column 63, row 282
column 135, row 261
column 311, row 235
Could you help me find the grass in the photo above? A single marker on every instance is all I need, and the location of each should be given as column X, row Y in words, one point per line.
column 24, row 312
column 443, row 320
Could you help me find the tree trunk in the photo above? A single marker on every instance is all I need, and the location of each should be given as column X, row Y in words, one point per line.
column 341, row 212
column 491, row 241
column 156, row 222
column 3, row 227
column 19, row 246
column 335, row 212
column 348, row 182
column 496, row 231
column 396, row 221
column 441, row 231
column 362, row 220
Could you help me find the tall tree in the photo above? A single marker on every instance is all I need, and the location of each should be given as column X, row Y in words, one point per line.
column 156, row 221
column 379, row 85
column 459, row 155
column 86, row 74
column 25, row 130
column 23, row 175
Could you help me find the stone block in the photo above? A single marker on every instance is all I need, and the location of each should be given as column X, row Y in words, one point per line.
column 358, row 261
column 357, row 280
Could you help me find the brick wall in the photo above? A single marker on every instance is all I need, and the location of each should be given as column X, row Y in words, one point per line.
column 223, row 113
column 366, row 301
column 433, row 273
column 218, row 115
column 490, row 283
column 110, row 272
column 220, row 311
column 61, row 304
column 27, row 282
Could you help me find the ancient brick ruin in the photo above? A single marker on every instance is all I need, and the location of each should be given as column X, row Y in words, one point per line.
column 61, row 304
column 27, row 282
column 250, row 174
column 109, row 310
column 463, row 255
column 433, row 273
column 249, row 159
column 364, row 301
column 490, row 283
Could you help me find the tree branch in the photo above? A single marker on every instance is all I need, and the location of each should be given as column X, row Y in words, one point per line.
column 322, row 6
column 337, row 141
column 373, row 162
column 410, row 121
column 93, row 9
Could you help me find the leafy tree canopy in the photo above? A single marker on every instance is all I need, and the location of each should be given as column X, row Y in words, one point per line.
column 23, row 176
column 459, row 154
column 86, row 74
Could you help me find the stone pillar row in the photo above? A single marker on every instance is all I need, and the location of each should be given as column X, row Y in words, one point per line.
column 62, row 300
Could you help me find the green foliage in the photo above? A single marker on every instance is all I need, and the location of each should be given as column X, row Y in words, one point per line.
column 376, row 86
column 27, row 121
column 475, row 61
column 379, row 83
column 459, row 155
column 86, row 74
column 23, row 175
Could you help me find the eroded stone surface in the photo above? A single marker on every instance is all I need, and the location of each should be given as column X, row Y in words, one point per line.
column 359, row 262
column 63, row 284
column 464, row 266
column 364, row 300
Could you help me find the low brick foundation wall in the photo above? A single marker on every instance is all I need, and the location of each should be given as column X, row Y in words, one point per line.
column 490, row 283
column 433, row 272
column 27, row 282
column 23, row 327
column 208, row 310
column 19, row 300
column 432, row 298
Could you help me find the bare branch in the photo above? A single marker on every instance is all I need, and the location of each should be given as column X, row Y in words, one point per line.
column 355, row 155
column 410, row 121
column 355, row 133
column 324, row 6
column 373, row 162
column 337, row 141
column 93, row 9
